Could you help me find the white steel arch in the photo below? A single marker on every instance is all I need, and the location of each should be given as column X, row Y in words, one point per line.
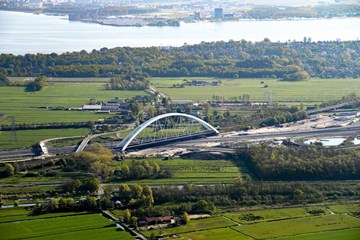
column 131, row 136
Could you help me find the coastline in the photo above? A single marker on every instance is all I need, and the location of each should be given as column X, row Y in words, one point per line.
column 187, row 21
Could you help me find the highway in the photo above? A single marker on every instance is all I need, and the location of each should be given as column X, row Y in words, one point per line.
column 221, row 138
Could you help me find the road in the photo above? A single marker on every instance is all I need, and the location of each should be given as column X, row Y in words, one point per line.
column 325, row 109
column 222, row 138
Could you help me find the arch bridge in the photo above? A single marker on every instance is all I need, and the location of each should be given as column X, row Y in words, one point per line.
column 166, row 128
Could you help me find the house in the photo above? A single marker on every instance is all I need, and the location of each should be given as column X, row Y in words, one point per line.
column 143, row 221
column 111, row 108
column 95, row 107
column 180, row 102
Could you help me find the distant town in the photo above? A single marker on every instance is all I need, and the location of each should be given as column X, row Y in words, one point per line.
column 172, row 13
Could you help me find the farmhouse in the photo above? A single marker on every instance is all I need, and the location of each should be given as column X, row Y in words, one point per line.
column 143, row 221
column 91, row 107
column 114, row 105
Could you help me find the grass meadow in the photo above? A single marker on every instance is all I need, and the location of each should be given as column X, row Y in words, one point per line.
column 60, row 226
column 26, row 138
column 294, row 223
column 349, row 208
column 282, row 228
column 24, row 106
column 193, row 171
column 274, row 214
column 194, row 225
column 348, row 234
column 214, row 234
column 308, row 92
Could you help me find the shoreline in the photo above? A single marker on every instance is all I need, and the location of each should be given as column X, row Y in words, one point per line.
column 94, row 21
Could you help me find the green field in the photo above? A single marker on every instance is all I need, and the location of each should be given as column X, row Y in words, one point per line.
column 194, row 225
column 285, row 223
column 26, row 138
column 15, row 101
column 321, row 89
column 215, row 234
column 274, row 214
column 21, row 185
column 298, row 226
column 194, row 171
column 349, row 208
column 61, row 226
column 21, row 214
column 349, row 234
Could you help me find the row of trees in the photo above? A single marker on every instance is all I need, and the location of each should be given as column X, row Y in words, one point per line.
column 77, row 186
column 262, row 117
column 66, row 205
column 203, row 199
column 135, row 196
column 306, row 163
column 256, row 193
column 127, row 83
column 239, row 59
column 141, row 169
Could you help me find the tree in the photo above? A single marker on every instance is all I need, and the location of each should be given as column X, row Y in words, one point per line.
column 91, row 202
column 9, row 170
column 133, row 221
column 207, row 110
column 53, row 204
column 185, row 218
column 125, row 171
column 149, row 199
column 127, row 215
column 91, row 185
column 201, row 206
column 124, row 192
column 38, row 84
column 97, row 160
column 137, row 190
column 4, row 80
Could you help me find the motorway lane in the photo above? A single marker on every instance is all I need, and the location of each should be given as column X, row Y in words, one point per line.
column 325, row 132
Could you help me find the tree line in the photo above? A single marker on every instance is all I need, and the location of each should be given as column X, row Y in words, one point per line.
column 204, row 199
column 290, row 61
column 305, row 163
column 141, row 169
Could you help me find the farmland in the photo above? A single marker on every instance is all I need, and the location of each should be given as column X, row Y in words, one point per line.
column 273, row 214
column 29, row 107
column 19, row 225
column 26, row 138
column 195, row 171
column 215, row 234
column 285, row 223
column 349, row 208
column 194, row 225
column 299, row 226
column 287, row 92
column 349, row 234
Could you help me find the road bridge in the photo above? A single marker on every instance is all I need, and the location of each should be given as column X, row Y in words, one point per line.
column 20, row 154
column 165, row 128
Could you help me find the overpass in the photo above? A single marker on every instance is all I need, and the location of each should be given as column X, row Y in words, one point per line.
column 28, row 154
column 166, row 128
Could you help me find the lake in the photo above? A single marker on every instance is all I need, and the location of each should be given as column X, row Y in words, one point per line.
column 331, row 141
column 22, row 33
